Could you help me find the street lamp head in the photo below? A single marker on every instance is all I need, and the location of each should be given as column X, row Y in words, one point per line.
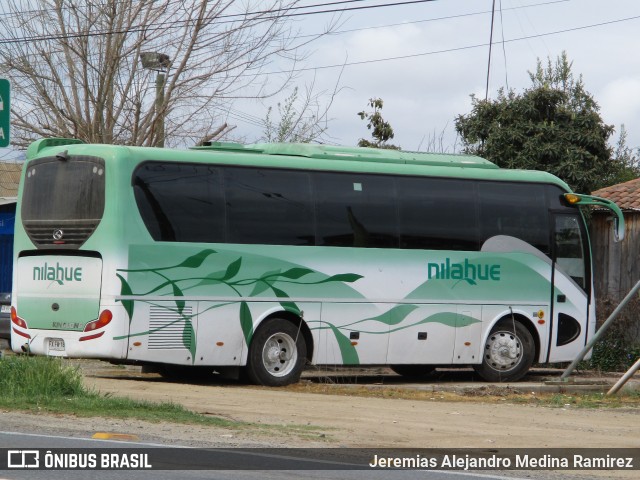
column 155, row 61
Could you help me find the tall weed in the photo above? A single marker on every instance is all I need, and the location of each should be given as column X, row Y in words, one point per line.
column 39, row 378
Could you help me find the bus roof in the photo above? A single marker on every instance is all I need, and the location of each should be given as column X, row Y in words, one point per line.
column 315, row 157
column 356, row 154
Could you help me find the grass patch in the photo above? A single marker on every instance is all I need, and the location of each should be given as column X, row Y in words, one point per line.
column 587, row 400
column 51, row 385
column 38, row 379
column 490, row 394
column 47, row 385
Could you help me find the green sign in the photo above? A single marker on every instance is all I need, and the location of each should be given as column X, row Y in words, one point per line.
column 5, row 108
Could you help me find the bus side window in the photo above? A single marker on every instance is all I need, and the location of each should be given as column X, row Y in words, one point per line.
column 180, row 202
column 268, row 206
column 356, row 210
column 437, row 214
column 516, row 210
column 569, row 253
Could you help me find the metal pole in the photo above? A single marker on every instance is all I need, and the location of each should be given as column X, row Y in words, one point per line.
column 625, row 377
column 159, row 120
column 600, row 332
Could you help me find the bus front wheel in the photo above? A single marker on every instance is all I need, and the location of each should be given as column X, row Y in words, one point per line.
column 277, row 354
column 508, row 352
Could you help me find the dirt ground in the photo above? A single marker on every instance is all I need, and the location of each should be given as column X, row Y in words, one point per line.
column 342, row 420
column 284, row 418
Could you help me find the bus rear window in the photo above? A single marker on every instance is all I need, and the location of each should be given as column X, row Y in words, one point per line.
column 71, row 189
column 63, row 200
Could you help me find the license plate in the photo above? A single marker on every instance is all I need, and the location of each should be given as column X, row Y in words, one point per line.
column 5, row 309
column 56, row 344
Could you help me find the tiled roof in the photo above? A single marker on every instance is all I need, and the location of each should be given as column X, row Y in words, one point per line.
column 626, row 195
column 9, row 178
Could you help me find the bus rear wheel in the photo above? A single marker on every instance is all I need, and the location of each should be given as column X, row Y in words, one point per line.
column 277, row 354
column 508, row 352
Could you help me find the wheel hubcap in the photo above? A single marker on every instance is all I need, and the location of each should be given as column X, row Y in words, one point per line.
column 503, row 351
column 279, row 354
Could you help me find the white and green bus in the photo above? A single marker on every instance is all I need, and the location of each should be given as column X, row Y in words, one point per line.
column 264, row 258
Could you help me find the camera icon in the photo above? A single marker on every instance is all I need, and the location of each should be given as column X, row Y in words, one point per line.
column 23, row 459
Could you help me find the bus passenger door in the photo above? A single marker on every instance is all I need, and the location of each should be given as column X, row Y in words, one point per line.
column 571, row 288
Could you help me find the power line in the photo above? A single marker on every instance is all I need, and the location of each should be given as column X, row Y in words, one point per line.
column 365, row 7
column 178, row 23
column 456, row 49
column 448, row 17
column 40, row 10
column 504, row 51
column 449, row 50
column 493, row 15
column 245, row 117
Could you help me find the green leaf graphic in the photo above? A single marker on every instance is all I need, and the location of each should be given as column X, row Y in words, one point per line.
column 232, row 269
column 126, row 290
column 450, row 319
column 178, row 293
column 260, row 286
column 396, row 315
column 288, row 306
column 189, row 339
column 348, row 351
column 246, row 322
column 196, row 260
column 210, row 279
column 264, row 282
column 295, row 273
column 465, row 321
column 343, row 277
column 158, row 287
column 446, row 318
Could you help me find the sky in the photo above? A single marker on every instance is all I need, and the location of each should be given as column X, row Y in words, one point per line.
column 445, row 48
column 426, row 58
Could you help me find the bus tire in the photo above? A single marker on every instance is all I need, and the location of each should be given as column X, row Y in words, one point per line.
column 277, row 354
column 507, row 353
column 413, row 371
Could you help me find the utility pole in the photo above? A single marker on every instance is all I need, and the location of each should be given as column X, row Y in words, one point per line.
column 160, row 63
column 159, row 113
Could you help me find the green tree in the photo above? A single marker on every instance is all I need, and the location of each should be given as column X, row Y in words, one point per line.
column 626, row 159
column 554, row 125
column 381, row 129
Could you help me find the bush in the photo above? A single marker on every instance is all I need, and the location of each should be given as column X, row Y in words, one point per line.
column 619, row 349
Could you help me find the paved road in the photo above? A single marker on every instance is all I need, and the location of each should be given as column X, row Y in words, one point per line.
column 25, row 441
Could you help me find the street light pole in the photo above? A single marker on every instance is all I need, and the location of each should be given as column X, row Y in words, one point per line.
column 159, row 63
column 159, row 117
